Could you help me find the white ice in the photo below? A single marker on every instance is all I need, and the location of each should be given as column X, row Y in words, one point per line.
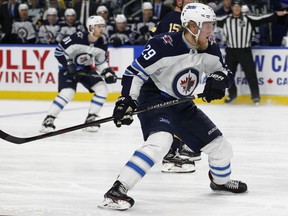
column 67, row 175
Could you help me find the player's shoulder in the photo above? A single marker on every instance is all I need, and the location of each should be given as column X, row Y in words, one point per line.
column 213, row 48
column 166, row 39
column 101, row 43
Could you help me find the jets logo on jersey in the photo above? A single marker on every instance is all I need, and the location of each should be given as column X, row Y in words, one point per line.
column 82, row 58
column 167, row 40
column 22, row 33
column 185, row 82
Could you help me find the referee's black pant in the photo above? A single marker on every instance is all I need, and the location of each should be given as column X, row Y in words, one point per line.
column 242, row 56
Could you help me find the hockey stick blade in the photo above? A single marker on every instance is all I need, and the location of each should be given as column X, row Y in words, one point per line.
column 21, row 140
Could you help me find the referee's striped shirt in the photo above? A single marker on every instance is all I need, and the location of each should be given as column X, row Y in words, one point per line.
column 237, row 31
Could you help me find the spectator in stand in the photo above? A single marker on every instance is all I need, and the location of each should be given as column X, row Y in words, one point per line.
column 8, row 12
column 160, row 9
column 225, row 9
column 85, row 9
column 121, row 34
column 144, row 23
column 49, row 30
column 104, row 13
column 70, row 25
column 23, row 30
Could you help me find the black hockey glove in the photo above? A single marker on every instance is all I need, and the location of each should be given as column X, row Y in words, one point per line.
column 71, row 68
column 122, row 111
column 116, row 42
column 215, row 87
column 109, row 75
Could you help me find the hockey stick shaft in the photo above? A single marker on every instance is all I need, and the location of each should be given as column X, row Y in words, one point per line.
column 95, row 75
column 19, row 140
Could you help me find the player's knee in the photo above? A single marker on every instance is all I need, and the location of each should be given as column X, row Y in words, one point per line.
column 67, row 94
column 101, row 89
column 219, row 151
column 157, row 145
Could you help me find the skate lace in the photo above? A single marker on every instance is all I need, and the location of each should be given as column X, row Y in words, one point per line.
column 232, row 184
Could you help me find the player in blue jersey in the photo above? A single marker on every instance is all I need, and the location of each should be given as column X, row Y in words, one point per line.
column 75, row 54
column 170, row 67
column 180, row 158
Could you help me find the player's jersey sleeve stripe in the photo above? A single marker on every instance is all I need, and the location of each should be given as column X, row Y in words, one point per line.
column 138, row 67
column 129, row 73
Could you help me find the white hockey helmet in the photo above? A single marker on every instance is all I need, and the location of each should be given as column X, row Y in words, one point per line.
column 198, row 13
column 23, row 6
column 92, row 21
column 52, row 11
column 101, row 9
column 120, row 18
column 70, row 12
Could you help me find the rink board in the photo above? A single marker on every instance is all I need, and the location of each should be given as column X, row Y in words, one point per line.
column 31, row 72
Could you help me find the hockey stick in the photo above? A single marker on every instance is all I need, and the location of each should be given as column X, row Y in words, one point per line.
column 20, row 140
column 94, row 75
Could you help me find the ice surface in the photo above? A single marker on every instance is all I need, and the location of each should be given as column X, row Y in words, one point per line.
column 68, row 174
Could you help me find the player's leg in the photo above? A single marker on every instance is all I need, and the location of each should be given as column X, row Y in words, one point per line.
column 247, row 63
column 232, row 61
column 219, row 150
column 140, row 163
column 66, row 92
column 158, row 138
column 100, row 90
column 179, row 159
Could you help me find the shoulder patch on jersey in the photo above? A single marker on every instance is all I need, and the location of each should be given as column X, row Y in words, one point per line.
column 80, row 34
column 167, row 39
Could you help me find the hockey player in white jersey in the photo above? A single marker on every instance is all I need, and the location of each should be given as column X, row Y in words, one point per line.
column 76, row 54
column 170, row 67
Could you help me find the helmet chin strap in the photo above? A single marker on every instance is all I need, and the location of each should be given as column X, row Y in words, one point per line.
column 91, row 33
column 195, row 35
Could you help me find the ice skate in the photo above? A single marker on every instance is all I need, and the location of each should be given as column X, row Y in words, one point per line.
column 172, row 163
column 116, row 198
column 48, row 124
column 185, row 152
column 233, row 186
column 91, row 118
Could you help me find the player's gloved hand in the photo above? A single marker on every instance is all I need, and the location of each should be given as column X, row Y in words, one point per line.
column 109, row 75
column 122, row 111
column 71, row 68
column 215, row 87
column 144, row 30
column 116, row 42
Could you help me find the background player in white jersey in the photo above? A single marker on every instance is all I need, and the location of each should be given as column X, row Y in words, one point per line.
column 49, row 30
column 70, row 25
column 75, row 54
column 170, row 67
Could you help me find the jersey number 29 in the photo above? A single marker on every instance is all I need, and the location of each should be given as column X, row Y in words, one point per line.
column 148, row 52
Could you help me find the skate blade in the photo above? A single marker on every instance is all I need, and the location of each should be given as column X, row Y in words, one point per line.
column 91, row 129
column 171, row 168
column 114, row 205
column 46, row 130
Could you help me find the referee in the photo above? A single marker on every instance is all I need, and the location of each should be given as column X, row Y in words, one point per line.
column 237, row 34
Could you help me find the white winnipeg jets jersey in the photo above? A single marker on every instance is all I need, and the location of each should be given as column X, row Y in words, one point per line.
column 174, row 68
column 78, row 49
column 48, row 33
